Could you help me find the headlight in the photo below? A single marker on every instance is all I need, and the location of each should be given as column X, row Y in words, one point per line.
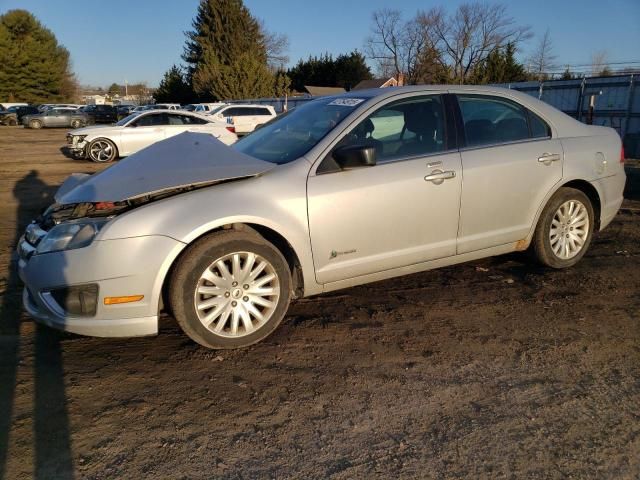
column 68, row 236
column 79, row 138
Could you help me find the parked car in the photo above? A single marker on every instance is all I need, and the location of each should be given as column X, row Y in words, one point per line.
column 56, row 118
column 166, row 106
column 101, row 113
column 124, row 110
column 7, row 106
column 316, row 201
column 138, row 131
column 25, row 110
column 244, row 118
column 8, row 118
column 203, row 107
column 48, row 106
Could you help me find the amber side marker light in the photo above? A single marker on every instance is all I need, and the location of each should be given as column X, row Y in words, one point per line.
column 119, row 300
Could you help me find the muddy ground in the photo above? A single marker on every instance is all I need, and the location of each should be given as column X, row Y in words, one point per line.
column 493, row 369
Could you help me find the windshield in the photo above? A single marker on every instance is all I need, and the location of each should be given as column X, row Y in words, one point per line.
column 127, row 119
column 293, row 134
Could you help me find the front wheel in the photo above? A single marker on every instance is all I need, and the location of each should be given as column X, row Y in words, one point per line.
column 35, row 124
column 76, row 124
column 102, row 150
column 565, row 228
column 230, row 290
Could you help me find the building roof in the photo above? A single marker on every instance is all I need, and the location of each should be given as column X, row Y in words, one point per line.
column 375, row 83
column 320, row 91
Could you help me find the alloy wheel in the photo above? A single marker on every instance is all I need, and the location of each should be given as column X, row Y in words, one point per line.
column 101, row 151
column 237, row 294
column 569, row 229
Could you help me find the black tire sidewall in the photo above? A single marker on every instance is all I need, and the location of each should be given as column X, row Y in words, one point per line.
column 543, row 242
column 202, row 255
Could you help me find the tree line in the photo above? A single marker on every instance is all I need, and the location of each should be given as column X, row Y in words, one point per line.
column 230, row 54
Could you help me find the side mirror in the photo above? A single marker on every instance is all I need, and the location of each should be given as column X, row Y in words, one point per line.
column 354, row 156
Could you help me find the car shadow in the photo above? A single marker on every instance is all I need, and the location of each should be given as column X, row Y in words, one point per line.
column 52, row 444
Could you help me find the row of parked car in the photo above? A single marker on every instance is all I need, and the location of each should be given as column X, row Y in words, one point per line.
column 244, row 118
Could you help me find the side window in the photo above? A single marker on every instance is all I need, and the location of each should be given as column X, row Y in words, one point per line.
column 194, row 120
column 539, row 128
column 491, row 120
column 409, row 127
column 153, row 120
column 177, row 120
column 262, row 111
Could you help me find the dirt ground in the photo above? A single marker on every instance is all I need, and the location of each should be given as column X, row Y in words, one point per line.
column 492, row 369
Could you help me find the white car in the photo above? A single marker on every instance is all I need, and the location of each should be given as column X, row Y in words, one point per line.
column 138, row 131
column 244, row 118
column 205, row 108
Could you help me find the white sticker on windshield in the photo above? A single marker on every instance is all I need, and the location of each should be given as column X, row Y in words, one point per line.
column 347, row 102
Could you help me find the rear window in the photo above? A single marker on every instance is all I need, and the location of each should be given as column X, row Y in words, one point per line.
column 539, row 128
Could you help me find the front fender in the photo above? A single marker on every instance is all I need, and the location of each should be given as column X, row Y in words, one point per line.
column 276, row 200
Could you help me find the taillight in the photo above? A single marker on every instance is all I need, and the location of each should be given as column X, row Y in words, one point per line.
column 232, row 129
column 622, row 154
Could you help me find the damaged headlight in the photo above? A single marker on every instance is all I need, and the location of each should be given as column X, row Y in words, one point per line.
column 71, row 235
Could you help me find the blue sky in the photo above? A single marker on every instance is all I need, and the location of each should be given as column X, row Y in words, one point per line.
column 138, row 40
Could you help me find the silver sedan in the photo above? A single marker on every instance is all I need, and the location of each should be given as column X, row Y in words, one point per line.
column 339, row 192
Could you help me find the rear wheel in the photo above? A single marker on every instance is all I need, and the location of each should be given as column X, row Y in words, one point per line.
column 102, row 150
column 76, row 124
column 12, row 122
column 230, row 290
column 36, row 124
column 565, row 228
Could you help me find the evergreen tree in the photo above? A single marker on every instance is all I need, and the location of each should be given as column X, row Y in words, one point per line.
column 567, row 75
column 33, row 66
column 282, row 84
column 173, row 87
column 227, row 46
column 346, row 71
column 351, row 69
column 500, row 66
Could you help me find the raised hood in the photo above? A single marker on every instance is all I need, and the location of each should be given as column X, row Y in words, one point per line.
column 188, row 159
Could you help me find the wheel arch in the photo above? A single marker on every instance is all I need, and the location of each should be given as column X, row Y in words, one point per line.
column 579, row 184
column 267, row 233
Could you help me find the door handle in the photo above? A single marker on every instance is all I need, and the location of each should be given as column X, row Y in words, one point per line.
column 438, row 176
column 547, row 158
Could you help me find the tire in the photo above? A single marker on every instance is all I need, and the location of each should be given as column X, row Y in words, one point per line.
column 561, row 241
column 12, row 122
column 35, row 124
column 228, row 302
column 102, row 150
column 76, row 124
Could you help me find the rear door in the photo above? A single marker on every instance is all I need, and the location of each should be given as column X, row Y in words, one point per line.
column 510, row 162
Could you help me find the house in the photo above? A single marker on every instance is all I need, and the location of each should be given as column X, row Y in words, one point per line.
column 322, row 91
column 379, row 83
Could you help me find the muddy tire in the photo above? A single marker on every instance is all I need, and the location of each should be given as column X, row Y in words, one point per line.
column 564, row 230
column 102, row 150
column 35, row 124
column 230, row 289
column 76, row 123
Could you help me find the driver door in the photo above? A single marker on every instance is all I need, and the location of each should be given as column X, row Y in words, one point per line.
column 143, row 131
column 400, row 212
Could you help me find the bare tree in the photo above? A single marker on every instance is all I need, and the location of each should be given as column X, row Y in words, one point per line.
column 276, row 45
column 466, row 37
column 542, row 58
column 396, row 45
column 599, row 63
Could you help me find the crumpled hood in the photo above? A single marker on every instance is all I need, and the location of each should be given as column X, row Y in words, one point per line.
column 188, row 159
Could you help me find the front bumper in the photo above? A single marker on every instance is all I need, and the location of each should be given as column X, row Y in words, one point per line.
column 129, row 266
column 77, row 148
